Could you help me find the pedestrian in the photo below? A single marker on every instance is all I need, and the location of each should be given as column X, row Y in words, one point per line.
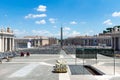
column 27, row 54
column 22, row 54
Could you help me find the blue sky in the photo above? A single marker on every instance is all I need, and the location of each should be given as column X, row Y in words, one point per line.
column 45, row 17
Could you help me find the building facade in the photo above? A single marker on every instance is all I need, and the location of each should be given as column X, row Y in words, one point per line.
column 89, row 40
column 6, row 40
column 34, row 41
column 114, row 32
column 116, row 38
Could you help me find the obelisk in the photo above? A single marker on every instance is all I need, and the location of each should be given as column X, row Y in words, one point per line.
column 61, row 41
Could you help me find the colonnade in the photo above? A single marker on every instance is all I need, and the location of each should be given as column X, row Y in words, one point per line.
column 37, row 42
column 6, row 43
column 116, row 43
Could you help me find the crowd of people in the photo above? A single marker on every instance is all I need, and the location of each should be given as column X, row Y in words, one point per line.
column 22, row 54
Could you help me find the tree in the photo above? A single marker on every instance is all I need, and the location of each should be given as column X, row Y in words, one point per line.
column 109, row 29
column 104, row 31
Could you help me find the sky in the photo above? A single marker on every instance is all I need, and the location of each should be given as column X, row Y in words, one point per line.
column 45, row 17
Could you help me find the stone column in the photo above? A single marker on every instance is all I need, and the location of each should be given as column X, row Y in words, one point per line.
column 6, row 44
column 35, row 43
column 38, row 42
column 116, row 43
column 119, row 43
column 112, row 42
column 2, row 44
column 13, row 44
column 87, row 42
column 9, row 44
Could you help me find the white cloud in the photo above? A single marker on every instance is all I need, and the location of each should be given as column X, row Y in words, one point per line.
column 88, row 33
column 40, row 22
column 41, row 8
column 52, row 20
column 107, row 22
column 18, row 33
column 67, row 33
column 71, row 33
column 42, row 33
column 116, row 14
column 35, row 16
column 73, row 22
column 66, row 29
column 75, row 33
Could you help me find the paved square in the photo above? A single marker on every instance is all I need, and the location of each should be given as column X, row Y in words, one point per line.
column 40, row 67
column 35, row 67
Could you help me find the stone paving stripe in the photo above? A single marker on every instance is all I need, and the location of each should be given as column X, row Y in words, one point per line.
column 47, row 64
column 24, row 71
column 41, row 63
